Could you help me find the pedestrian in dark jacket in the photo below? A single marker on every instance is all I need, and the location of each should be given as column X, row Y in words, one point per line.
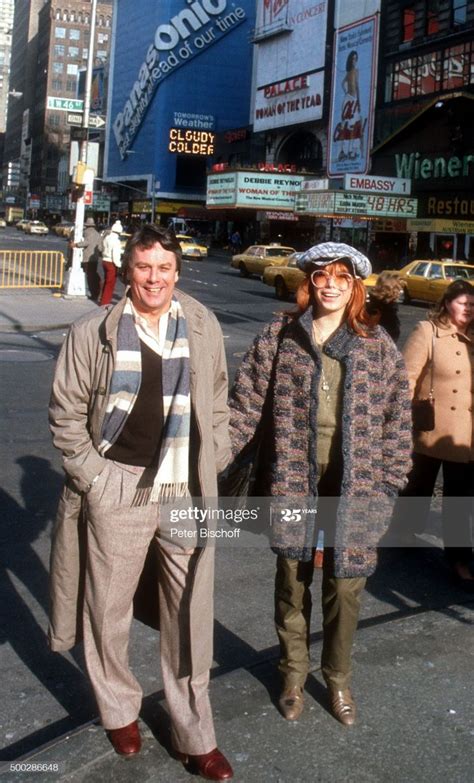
column 91, row 257
column 337, row 428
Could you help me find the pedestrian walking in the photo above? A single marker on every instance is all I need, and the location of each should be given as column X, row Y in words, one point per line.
column 111, row 261
column 439, row 356
column 139, row 412
column 325, row 393
column 91, row 256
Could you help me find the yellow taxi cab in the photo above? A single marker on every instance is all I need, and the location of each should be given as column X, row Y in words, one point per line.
column 426, row 280
column 256, row 258
column 190, row 247
column 284, row 279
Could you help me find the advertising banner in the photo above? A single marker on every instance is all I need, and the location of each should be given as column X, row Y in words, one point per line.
column 352, row 97
column 253, row 189
column 175, row 41
column 290, row 101
column 289, row 68
column 332, row 203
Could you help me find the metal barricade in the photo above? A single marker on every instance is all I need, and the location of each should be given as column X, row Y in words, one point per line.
column 31, row 269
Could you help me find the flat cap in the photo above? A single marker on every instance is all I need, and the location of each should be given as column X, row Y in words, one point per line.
column 328, row 252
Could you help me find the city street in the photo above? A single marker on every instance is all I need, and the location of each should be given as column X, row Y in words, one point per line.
column 413, row 658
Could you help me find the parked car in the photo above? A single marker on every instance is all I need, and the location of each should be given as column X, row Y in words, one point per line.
column 426, row 280
column 20, row 225
column 256, row 258
column 36, row 227
column 284, row 279
column 3, row 223
column 190, row 247
column 63, row 229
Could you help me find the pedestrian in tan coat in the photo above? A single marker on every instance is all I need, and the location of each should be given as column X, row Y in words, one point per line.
column 139, row 412
column 439, row 354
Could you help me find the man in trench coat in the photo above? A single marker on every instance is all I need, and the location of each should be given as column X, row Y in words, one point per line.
column 139, row 412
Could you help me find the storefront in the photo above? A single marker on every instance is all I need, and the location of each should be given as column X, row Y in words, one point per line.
column 435, row 150
column 261, row 205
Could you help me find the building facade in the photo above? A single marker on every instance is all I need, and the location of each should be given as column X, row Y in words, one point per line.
column 180, row 79
column 50, row 48
column 424, row 120
column 6, row 28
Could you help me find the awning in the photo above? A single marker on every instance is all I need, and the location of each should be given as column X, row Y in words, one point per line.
column 441, row 226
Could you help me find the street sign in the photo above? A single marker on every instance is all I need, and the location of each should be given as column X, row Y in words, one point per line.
column 96, row 121
column 64, row 104
column 78, row 134
column 74, row 119
column 384, row 185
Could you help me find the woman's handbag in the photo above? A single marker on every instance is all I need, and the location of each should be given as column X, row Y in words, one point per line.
column 423, row 411
column 423, row 415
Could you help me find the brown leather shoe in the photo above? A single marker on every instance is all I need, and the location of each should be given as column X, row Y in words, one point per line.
column 342, row 706
column 126, row 741
column 291, row 702
column 211, row 766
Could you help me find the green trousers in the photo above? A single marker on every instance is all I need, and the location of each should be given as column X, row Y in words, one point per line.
column 340, row 605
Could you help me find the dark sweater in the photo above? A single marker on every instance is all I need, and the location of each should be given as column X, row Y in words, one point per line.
column 140, row 440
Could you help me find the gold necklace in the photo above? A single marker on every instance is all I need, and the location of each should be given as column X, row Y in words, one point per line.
column 325, row 387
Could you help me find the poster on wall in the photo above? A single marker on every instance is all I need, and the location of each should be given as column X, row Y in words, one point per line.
column 352, row 97
column 291, row 43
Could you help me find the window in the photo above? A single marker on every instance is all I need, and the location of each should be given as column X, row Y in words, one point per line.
column 58, row 67
column 458, row 67
column 436, row 272
column 71, row 85
column 85, row 54
column 459, row 12
column 432, row 23
column 59, row 50
column 57, row 85
column 74, row 34
column 432, row 17
column 58, row 14
column 102, row 38
column 101, row 54
column 72, row 69
column 73, row 51
column 408, row 23
column 107, row 22
column 420, row 269
column 59, row 32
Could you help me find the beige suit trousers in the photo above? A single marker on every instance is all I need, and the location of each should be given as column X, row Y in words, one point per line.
column 118, row 539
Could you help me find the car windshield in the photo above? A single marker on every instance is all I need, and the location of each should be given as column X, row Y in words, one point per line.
column 278, row 252
column 464, row 272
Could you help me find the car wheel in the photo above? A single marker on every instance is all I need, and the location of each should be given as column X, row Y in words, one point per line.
column 281, row 291
column 243, row 270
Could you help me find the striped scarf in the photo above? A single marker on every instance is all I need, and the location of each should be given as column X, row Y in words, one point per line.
column 171, row 477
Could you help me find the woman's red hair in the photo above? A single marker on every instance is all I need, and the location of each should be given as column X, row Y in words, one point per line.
column 357, row 317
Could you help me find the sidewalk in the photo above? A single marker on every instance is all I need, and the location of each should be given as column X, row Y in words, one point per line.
column 36, row 310
column 412, row 681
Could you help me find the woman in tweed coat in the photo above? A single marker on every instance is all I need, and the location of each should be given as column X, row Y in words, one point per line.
column 337, row 426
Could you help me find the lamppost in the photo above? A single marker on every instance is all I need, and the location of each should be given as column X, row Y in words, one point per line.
column 76, row 285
